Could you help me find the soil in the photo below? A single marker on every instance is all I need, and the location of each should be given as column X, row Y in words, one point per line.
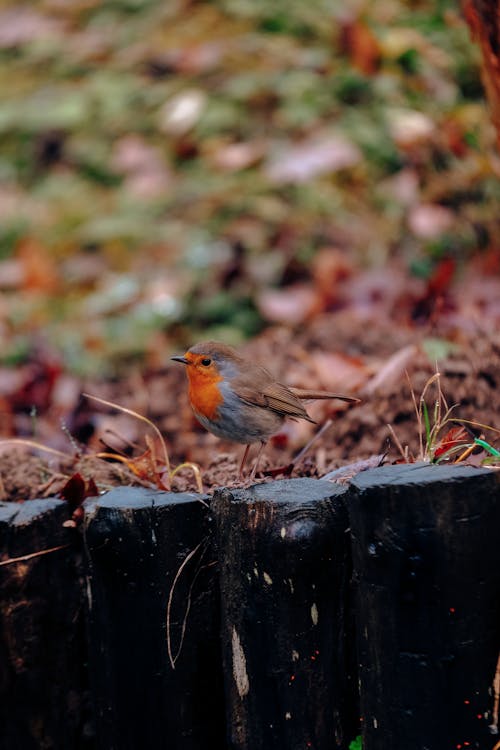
column 343, row 351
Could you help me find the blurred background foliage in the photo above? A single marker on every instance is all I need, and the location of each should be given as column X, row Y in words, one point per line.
column 166, row 166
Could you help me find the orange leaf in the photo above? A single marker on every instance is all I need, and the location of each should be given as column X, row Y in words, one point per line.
column 361, row 45
column 39, row 269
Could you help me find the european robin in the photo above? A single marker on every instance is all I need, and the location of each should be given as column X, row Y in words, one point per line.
column 239, row 400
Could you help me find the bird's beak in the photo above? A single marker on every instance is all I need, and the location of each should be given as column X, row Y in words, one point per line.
column 180, row 359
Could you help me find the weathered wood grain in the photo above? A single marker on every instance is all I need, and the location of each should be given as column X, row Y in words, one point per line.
column 286, row 628
column 426, row 557
column 43, row 683
column 136, row 541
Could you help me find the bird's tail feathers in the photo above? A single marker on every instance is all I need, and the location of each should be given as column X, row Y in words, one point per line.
column 313, row 395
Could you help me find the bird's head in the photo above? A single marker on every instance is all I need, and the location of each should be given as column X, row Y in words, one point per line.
column 210, row 361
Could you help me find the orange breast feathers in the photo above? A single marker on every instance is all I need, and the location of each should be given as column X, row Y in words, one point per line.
column 204, row 393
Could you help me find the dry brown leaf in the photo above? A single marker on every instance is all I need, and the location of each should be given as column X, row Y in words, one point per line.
column 429, row 221
column 330, row 267
column 300, row 162
column 392, row 371
column 361, row 45
column 292, row 305
column 22, row 24
column 39, row 269
column 335, row 371
column 234, row 156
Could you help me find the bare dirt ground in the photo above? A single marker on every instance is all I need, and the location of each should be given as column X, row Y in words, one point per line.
column 372, row 349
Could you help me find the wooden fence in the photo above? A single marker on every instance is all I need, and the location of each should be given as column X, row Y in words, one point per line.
column 291, row 615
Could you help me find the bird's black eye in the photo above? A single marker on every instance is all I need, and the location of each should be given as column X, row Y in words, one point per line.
column 206, row 361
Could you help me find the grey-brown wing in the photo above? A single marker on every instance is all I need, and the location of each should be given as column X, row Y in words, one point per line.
column 274, row 396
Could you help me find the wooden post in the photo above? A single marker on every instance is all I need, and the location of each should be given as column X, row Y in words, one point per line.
column 136, row 542
column 426, row 557
column 284, row 556
column 43, row 695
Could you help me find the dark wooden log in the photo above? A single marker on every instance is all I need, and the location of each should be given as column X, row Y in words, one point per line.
column 44, row 699
column 284, row 556
column 136, row 542
column 426, row 557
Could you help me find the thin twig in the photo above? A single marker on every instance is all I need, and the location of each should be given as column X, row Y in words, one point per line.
column 169, row 604
column 475, row 424
column 437, row 427
column 114, row 456
column 188, row 609
column 466, row 453
column 114, row 433
column 34, row 444
column 324, row 427
column 398, row 442
column 419, row 416
column 196, row 471
column 12, row 560
column 137, row 416
column 71, row 439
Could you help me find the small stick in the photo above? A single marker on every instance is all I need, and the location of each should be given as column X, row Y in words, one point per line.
column 33, row 554
column 172, row 658
column 137, row 416
column 324, row 427
column 398, row 443
column 465, row 454
column 33, row 444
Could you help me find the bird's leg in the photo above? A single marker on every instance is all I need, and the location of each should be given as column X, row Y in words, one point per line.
column 240, row 472
column 251, row 477
column 263, row 444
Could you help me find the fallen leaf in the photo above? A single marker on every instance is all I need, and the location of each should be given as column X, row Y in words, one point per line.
column 146, row 174
column 457, row 435
column 12, row 274
column 234, row 156
column 196, row 58
column 35, row 387
column 335, row 371
column 75, row 491
column 21, row 24
column 392, row 371
column 301, row 162
column 292, row 305
column 344, row 474
column 402, row 187
column 408, row 127
column 429, row 221
column 180, row 113
column 39, row 269
column 361, row 45
column 330, row 268
column 442, row 276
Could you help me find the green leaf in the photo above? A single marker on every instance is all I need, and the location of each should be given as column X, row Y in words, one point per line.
column 427, row 423
column 487, row 447
column 436, row 349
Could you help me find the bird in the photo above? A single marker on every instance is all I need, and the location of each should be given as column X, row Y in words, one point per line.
column 239, row 400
